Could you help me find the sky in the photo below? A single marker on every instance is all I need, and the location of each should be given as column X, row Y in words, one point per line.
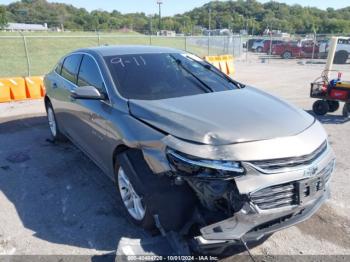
column 171, row 7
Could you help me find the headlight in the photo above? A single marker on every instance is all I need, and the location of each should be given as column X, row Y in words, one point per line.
column 204, row 168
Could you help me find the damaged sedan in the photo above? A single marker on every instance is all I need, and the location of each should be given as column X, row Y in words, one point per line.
column 190, row 149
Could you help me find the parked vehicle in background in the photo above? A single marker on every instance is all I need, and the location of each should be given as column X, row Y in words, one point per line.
column 342, row 51
column 267, row 44
column 250, row 43
column 323, row 48
column 296, row 49
column 258, row 46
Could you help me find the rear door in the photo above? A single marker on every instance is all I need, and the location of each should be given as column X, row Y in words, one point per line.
column 62, row 88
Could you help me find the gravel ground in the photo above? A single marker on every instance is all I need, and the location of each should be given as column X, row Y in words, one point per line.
column 54, row 200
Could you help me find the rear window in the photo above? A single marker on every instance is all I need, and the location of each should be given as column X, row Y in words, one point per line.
column 344, row 41
column 161, row 76
column 70, row 67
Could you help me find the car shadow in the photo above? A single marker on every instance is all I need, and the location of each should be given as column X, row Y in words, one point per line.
column 64, row 198
column 58, row 193
column 329, row 119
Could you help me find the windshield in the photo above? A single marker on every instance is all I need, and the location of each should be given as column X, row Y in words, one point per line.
column 161, row 76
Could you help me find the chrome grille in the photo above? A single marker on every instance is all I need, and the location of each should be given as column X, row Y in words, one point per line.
column 287, row 194
column 291, row 162
column 275, row 196
column 327, row 171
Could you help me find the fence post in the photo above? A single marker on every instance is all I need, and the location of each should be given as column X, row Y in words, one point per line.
column 98, row 37
column 270, row 49
column 313, row 48
column 233, row 45
column 26, row 53
column 150, row 39
column 246, row 50
column 209, row 44
column 186, row 43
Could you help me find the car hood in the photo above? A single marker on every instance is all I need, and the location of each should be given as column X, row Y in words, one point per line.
column 221, row 118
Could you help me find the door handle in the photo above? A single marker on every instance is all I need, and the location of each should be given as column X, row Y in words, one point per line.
column 72, row 95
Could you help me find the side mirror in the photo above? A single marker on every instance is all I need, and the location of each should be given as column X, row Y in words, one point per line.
column 87, row 92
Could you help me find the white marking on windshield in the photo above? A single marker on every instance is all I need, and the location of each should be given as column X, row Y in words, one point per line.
column 123, row 62
column 143, row 60
column 137, row 63
column 117, row 60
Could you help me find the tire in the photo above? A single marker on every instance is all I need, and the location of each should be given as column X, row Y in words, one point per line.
column 171, row 203
column 259, row 49
column 346, row 110
column 333, row 106
column 320, row 107
column 287, row 55
column 340, row 57
column 55, row 132
column 138, row 214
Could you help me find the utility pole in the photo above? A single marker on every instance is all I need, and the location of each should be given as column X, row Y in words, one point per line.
column 159, row 3
column 209, row 27
column 150, row 25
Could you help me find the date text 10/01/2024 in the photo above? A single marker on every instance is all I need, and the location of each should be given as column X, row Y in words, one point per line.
column 171, row 258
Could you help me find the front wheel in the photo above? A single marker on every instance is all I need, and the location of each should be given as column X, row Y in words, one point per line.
column 133, row 202
column 259, row 49
column 340, row 57
column 287, row 55
column 320, row 107
column 146, row 197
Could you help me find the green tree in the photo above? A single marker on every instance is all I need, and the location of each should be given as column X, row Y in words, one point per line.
column 3, row 19
column 234, row 15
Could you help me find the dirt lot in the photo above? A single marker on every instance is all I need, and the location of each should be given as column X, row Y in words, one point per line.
column 54, row 200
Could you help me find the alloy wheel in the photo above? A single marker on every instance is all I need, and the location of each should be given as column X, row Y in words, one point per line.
column 132, row 201
column 52, row 121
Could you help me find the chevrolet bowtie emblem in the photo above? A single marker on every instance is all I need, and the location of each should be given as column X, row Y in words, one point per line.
column 311, row 171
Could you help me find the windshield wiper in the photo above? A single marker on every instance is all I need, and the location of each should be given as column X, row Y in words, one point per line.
column 179, row 62
column 217, row 71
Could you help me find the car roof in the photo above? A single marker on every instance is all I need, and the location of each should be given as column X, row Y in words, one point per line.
column 128, row 50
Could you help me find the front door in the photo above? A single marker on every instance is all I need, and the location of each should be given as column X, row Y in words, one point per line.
column 90, row 114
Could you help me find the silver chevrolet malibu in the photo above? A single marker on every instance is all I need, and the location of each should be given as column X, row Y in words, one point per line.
column 190, row 149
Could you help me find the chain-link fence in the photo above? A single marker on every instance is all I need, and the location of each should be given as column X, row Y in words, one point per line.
column 31, row 54
column 309, row 48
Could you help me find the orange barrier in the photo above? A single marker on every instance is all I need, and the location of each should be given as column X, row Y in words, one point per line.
column 214, row 60
column 34, row 87
column 230, row 68
column 5, row 95
column 224, row 63
column 19, row 88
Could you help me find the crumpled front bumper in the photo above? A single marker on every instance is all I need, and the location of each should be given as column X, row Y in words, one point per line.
column 252, row 226
column 252, row 223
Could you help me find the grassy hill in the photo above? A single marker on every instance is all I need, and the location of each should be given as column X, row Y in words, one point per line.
column 235, row 15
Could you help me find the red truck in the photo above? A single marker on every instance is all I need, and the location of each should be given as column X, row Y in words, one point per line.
column 266, row 48
column 300, row 49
